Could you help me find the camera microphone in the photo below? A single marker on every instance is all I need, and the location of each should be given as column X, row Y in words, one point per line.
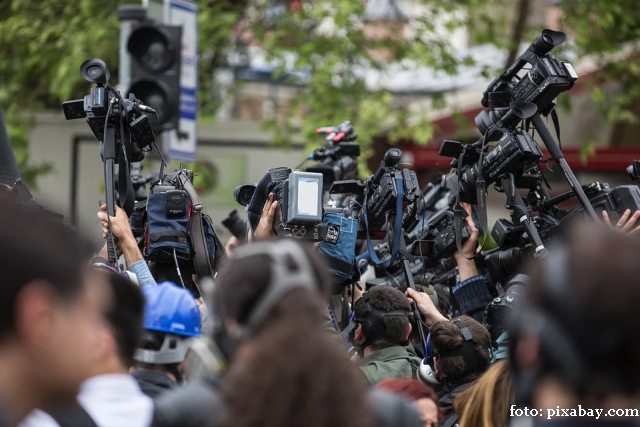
column 147, row 109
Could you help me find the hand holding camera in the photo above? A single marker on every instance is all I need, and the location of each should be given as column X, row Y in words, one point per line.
column 121, row 229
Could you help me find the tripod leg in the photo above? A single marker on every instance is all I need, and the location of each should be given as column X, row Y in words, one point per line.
column 557, row 155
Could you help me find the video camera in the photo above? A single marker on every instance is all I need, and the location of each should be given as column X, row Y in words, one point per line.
column 544, row 81
column 391, row 188
column 514, row 151
column 337, row 159
column 123, row 130
column 105, row 106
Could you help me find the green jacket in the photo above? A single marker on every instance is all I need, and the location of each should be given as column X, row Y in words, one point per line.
column 391, row 362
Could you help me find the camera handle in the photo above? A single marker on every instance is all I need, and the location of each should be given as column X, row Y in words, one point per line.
column 408, row 275
column 520, row 214
column 109, row 155
column 558, row 157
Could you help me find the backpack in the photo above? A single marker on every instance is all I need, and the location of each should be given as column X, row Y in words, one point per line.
column 178, row 228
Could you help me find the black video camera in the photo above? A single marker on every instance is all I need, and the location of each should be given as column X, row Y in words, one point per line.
column 236, row 225
column 337, row 160
column 544, row 81
column 514, row 151
column 104, row 105
column 439, row 241
column 379, row 195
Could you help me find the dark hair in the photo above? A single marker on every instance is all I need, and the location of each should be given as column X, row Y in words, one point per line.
column 36, row 246
column 411, row 389
column 297, row 372
column 597, row 315
column 125, row 315
column 446, row 336
column 385, row 298
column 444, row 304
column 152, row 340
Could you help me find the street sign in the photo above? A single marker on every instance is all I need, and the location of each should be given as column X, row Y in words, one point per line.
column 182, row 144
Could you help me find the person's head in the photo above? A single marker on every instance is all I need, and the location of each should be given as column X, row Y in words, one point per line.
column 123, row 320
column 444, row 304
column 271, row 296
column 382, row 315
column 50, row 304
column 423, row 397
column 171, row 319
column 462, row 349
column 486, row 403
column 576, row 331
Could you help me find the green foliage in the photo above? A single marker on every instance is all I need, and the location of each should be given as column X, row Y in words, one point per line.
column 609, row 30
column 333, row 42
column 43, row 43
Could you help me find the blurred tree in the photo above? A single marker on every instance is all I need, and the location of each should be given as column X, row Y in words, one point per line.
column 333, row 41
column 609, row 31
column 43, row 44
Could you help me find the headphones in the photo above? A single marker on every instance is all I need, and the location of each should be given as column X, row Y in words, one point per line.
column 101, row 264
column 467, row 351
column 375, row 319
column 548, row 325
column 283, row 278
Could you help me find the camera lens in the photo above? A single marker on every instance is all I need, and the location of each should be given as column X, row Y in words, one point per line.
column 244, row 193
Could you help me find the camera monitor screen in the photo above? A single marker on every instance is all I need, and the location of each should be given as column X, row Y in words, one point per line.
column 305, row 197
column 308, row 196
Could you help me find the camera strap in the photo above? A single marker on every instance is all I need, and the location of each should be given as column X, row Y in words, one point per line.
column 202, row 262
column 397, row 231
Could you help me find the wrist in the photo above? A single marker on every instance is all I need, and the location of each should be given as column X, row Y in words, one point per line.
column 130, row 250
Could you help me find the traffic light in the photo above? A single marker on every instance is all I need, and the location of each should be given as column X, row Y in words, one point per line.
column 155, row 70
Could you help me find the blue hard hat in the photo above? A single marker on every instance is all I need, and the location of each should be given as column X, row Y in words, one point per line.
column 171, row 310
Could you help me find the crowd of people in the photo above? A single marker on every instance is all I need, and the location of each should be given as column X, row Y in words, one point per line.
column 82, row 344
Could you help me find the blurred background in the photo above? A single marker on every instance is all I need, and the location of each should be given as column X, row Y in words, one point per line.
column 258, row 77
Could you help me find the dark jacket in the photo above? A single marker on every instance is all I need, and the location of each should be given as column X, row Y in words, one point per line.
column 447, row 396
column 199, row 404
column 194, row 405
column 153, row 383
column 391, row 362
column 473, row 297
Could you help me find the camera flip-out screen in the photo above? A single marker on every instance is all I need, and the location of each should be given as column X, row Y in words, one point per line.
column 305, row 197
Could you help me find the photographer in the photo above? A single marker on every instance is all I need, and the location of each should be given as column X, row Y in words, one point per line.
column 575, row 342
column 110, row 396
column 127, row 244
column 171, row 319
column 461, row 354
column 382, row 335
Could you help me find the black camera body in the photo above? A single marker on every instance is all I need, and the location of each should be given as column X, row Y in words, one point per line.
column 337, row 159
column 236, row 225
column 545, row 80
column 439, row 241
column 613, row 200
column 95, row 106
column 513, row 152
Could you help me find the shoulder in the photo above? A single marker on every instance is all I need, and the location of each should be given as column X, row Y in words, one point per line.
column 196, row 404
column 392, row 410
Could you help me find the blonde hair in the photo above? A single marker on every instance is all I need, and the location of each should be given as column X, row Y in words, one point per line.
column 486, row 403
